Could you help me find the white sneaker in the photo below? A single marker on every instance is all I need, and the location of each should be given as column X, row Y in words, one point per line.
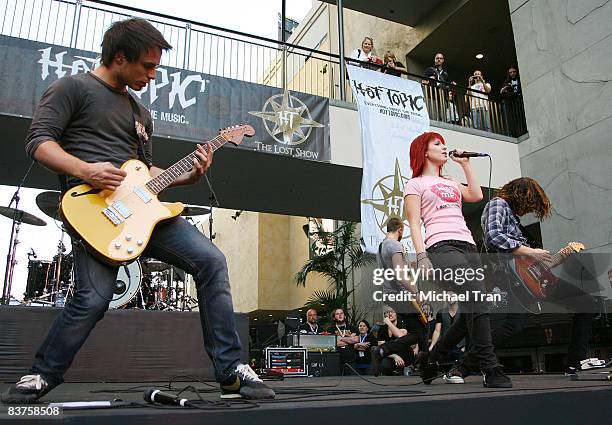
column 454, row 377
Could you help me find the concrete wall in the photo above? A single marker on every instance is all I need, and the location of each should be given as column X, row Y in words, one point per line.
column 563, row 49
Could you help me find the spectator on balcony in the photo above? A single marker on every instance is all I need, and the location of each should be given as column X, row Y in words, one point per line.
column 436, row 82
column 365, row 55
column 512, row 103
column 452, row 116
column 391, row 65
column 367, row 340
column 437, row 75
column 479, row 101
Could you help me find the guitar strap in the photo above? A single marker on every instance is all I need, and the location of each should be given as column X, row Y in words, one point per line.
column 141, row 133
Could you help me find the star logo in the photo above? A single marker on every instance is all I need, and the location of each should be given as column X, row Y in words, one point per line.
column 286, row 119
column 388, row 198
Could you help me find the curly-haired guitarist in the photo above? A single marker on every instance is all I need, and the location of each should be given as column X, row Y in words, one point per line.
column 502, row 234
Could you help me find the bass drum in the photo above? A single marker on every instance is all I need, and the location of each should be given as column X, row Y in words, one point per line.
column 127, row 284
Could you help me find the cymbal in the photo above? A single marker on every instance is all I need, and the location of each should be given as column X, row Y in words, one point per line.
column 22, row 216
column 155, row 266
column 189, row 211
column 48, row 202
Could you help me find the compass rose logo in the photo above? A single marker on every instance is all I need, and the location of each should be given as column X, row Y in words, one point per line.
column 286, row 119
column 387, row 198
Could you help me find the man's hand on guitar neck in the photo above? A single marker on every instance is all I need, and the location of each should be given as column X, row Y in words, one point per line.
column 200, row 165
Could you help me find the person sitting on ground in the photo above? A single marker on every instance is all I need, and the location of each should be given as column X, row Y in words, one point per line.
column 391, row 65
column 394, row 351
column 444, row 319
column 311, row 326
column 367, row 340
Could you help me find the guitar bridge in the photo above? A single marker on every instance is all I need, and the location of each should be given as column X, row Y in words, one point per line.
column 114, row 218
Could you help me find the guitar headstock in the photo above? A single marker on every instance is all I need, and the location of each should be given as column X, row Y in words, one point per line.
column 236, row 133
column 573, row 247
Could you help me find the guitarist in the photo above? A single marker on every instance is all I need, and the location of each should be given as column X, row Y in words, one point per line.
column 84, row 128
column 502, row 233
column 390, row 255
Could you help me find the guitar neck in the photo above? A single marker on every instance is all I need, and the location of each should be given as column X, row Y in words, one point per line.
column 182, row 166
column 556, row 259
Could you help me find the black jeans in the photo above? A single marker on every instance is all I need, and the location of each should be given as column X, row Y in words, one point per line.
column 565, row 294
column 401, row 346
column 415, row 327
column 474, row 323
column 176, row 242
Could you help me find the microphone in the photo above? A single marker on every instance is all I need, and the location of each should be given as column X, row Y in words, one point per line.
column 151, row 395
column 467, row 154
column 32, row 253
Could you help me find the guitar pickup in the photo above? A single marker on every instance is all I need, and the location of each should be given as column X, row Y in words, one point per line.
column 124, row 211
column 143, row 194
column 110, row 214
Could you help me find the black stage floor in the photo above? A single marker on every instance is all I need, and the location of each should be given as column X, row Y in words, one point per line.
column 535, row 399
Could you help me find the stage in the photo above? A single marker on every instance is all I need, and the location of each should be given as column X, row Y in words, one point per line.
column 541, row 399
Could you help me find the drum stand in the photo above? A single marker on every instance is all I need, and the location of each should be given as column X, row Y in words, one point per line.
column 11, row 260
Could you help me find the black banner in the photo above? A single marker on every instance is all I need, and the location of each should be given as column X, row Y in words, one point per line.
column 184, row 104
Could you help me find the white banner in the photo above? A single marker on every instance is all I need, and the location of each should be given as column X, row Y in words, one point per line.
column 392, row 113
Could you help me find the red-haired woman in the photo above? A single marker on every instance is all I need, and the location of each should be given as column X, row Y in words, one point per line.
column 448, row 252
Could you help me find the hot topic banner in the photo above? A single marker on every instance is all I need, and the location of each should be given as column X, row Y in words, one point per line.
column 184, row 104
column 392, row 113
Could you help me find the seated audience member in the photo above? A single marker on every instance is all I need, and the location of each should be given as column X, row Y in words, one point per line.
column 367, row 340
column 394, row 350
column 391, row 65
column 479, row 101
column 431, row 323
column 444, row 319
column 346, row 336
column 311, row 326
column 365, row 54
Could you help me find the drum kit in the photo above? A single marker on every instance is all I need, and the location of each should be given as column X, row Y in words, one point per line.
column 145, row 284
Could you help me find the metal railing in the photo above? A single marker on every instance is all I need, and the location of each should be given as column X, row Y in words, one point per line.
column 221, row 52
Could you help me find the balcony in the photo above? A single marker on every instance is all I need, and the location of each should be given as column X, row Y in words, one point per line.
column 220, row 52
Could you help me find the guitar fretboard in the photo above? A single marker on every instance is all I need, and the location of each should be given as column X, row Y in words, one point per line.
column 182, row 166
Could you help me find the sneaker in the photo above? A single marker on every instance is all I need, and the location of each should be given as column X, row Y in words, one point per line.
column 429, row 368
column 454, row 377
column 376, row 359
column 496, row 378
column 29, row 389
column 571, row 371
column 246, row 385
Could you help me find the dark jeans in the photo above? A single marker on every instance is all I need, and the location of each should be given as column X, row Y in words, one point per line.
column 175, row 242
column 415, row 327
column 401, row 346
column 565, row 294
column 473, row 323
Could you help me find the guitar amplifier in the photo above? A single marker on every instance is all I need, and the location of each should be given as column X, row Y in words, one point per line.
column 291, row 361
column 313, row 343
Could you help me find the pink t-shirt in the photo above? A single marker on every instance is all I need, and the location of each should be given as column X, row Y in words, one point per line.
column 440, row 209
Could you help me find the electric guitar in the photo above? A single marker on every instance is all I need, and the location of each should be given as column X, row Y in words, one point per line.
column 535, row 276
column 117, row 225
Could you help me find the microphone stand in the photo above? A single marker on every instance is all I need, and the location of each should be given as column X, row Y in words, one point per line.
column 211, row 198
